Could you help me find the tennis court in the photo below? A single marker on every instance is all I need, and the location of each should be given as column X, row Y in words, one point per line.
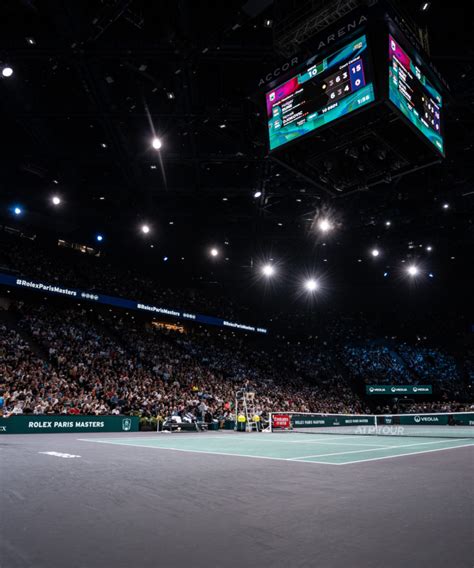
column 235, row 499
column 329, row 449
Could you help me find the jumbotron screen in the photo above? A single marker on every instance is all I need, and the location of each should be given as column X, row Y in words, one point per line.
column 414, row 95
column 324, row 91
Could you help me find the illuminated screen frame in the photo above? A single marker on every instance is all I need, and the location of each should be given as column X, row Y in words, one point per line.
column 363, row 96
column 395, row 49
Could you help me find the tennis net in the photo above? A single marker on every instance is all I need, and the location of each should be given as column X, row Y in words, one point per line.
column 439, row 425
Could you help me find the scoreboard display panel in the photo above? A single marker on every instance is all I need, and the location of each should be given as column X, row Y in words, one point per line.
column 323, row 92
column 412, row 93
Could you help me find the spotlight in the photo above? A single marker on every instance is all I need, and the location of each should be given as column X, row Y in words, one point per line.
column 429, row 248
column 375, row 252
column 425, row 6
column 412, row 270
column 56, row 200
column 17, row 210
column 431, row 275
column 7, row 71
column 311, row 285
column 268, row 270
column 170, row 95
column 156, row 143
column 324, row 225
column 445, row 205
column 165, row 259
column 257, row 194
column 99, row 238
column 145, row 229
column 385, row 274
column 222, row 125
column 268, row 23
column 214, row 252
column 388, row 223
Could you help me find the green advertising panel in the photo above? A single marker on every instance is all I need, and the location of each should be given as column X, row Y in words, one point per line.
column 399, row 389
column 308, row 421
column 54, row 424
column 453, row 419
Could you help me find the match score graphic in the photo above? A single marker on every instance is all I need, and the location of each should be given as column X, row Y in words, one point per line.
column 412, row 93
column 323, row 92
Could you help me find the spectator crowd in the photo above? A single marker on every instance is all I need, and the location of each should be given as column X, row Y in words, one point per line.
column 77, row 361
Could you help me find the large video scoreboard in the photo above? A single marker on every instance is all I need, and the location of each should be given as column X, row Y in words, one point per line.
column 413, row 94
column 323, row 92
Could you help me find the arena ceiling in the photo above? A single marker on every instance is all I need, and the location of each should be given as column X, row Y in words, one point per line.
column 93, row 83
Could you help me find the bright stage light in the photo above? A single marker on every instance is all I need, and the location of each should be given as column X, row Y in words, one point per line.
column 145, row 229
column 56, row 200
column 429, row 248
column 17, row 210
column 388, row 223
column 257, row 194
column 311, row 285
column 7, row 71
column 324, row 225
column 445, row 205
column 375, row 252
column 412, row 270
column 156, row 143
column 99, row 238
column 214, row 252
column 268, row 270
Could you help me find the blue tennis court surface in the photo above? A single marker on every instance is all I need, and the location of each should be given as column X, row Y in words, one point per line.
column 331, row 449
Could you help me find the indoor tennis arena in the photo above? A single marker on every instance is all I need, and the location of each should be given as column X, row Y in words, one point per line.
column 236, row 244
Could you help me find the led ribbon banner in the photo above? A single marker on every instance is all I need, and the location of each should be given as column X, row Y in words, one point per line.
column 27, row 283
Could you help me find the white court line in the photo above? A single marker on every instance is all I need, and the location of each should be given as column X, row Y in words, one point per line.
column 245, row 438
column 302, row 458
column 316, row 441
column 59, row 455
column 267, row 457
column 415, row 453
column 190, row 451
